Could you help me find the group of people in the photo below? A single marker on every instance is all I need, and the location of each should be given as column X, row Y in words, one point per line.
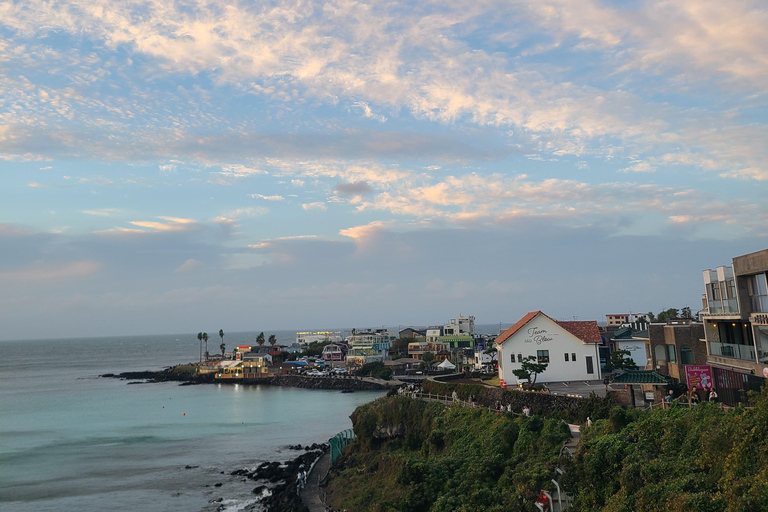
column 692, row 397
column 411, row 390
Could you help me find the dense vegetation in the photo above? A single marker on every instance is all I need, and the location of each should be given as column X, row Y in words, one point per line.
column 377, row 370
column 417, row 456
column 412, row 456
column 701, row 459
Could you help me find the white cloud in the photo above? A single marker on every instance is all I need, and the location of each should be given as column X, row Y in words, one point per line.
column 316, row 206
column 267, row 198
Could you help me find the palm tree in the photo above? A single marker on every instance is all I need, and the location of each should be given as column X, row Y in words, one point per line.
column 200, row 338
column 272, row 340
column 205, row 338
column 223, row 347
column 260, row 339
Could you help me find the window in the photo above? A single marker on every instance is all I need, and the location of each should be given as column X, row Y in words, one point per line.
column 758, row 293
column 573, row 356
column 520, row 358
column 543, row 356
column 671, row 355
column 566, row 356
column 686, row 355
column 511, row 358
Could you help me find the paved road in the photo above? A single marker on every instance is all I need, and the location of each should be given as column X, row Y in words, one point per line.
column 578, row 387
column 311, row 494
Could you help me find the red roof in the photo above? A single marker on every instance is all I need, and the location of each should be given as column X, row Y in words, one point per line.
column 512, row 330
column 587, row 330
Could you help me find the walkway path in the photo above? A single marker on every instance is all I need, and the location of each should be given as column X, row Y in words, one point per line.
column 310, row 495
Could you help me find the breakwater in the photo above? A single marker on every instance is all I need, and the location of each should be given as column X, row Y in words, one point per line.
column 346, row 383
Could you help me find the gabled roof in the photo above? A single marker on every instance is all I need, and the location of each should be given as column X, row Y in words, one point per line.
column 518, row 325
column 586, row 331
column 623, row 333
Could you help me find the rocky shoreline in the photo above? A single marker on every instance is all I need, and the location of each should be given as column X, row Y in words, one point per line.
column 346, row 383
column 279, row 482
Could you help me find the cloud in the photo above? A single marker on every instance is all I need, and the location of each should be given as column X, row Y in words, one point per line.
column 188, row 265
column 267, row 198
column 353, row 189
column 171, row 224
column 44, row 274
column 240, row 171
column 314, row 206
column 102, row 212
column 639, row 167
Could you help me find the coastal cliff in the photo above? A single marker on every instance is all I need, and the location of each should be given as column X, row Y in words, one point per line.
column 411, row 456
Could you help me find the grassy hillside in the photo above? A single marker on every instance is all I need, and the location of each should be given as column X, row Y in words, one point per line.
column 417, row 456
column 412, row 456
column 701, row 459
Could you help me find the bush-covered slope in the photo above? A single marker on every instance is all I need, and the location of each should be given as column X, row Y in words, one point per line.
column 701, row 459
column 414, row 456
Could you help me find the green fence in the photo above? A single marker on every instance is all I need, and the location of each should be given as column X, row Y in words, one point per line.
column 339, row 442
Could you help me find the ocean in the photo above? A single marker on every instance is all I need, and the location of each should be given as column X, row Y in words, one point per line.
column 72, row 441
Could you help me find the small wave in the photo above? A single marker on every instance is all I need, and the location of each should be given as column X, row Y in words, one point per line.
column 231, row 505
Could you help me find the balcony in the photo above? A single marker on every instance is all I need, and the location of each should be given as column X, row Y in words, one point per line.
column 725, row 307
column 743, row 352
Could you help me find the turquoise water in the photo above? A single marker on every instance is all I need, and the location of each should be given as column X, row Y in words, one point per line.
column 70, row 440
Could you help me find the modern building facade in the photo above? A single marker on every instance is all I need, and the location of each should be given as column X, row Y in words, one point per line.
column 736, row 315
column 369, row 346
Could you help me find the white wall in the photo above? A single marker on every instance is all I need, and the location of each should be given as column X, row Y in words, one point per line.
column 541, row 333
column 636, row 350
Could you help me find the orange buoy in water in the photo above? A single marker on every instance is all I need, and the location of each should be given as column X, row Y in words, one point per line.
column 183, row 414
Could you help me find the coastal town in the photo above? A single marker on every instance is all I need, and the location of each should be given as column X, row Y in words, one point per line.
column 717, row 352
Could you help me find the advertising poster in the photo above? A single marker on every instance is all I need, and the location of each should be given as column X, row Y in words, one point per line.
column 698, row 376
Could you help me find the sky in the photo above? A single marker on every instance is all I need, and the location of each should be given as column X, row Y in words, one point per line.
column 171, row 167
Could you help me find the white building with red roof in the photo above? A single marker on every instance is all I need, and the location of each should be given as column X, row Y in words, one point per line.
column 570, row 349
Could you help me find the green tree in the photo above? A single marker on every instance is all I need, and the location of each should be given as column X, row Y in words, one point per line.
column 272, row 340
column 400, row 346
column 260, row 339
column 669, row 314
column 530, row 369
column 686, row 312
column 428, row 357
column 223, row 347
column 621, row 360
column 377, row 370
column 205, row 339
column 200, row 339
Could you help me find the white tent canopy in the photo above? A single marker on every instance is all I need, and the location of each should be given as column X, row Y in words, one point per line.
column 446, row 365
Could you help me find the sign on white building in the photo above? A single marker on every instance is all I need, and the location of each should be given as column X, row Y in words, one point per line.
column 570, row 349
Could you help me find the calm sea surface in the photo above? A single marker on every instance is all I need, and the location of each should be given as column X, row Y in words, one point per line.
column 71, row 441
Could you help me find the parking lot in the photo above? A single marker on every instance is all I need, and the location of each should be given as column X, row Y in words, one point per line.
column 577, row 388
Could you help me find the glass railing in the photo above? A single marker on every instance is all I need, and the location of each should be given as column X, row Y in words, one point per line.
column 745, row 352
column 726, row 307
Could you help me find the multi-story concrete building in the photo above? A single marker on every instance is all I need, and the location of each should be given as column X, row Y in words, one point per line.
column 417, row 349
column 369, row 346
column 736, row 318
column 616, row 319
column 674, row 345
